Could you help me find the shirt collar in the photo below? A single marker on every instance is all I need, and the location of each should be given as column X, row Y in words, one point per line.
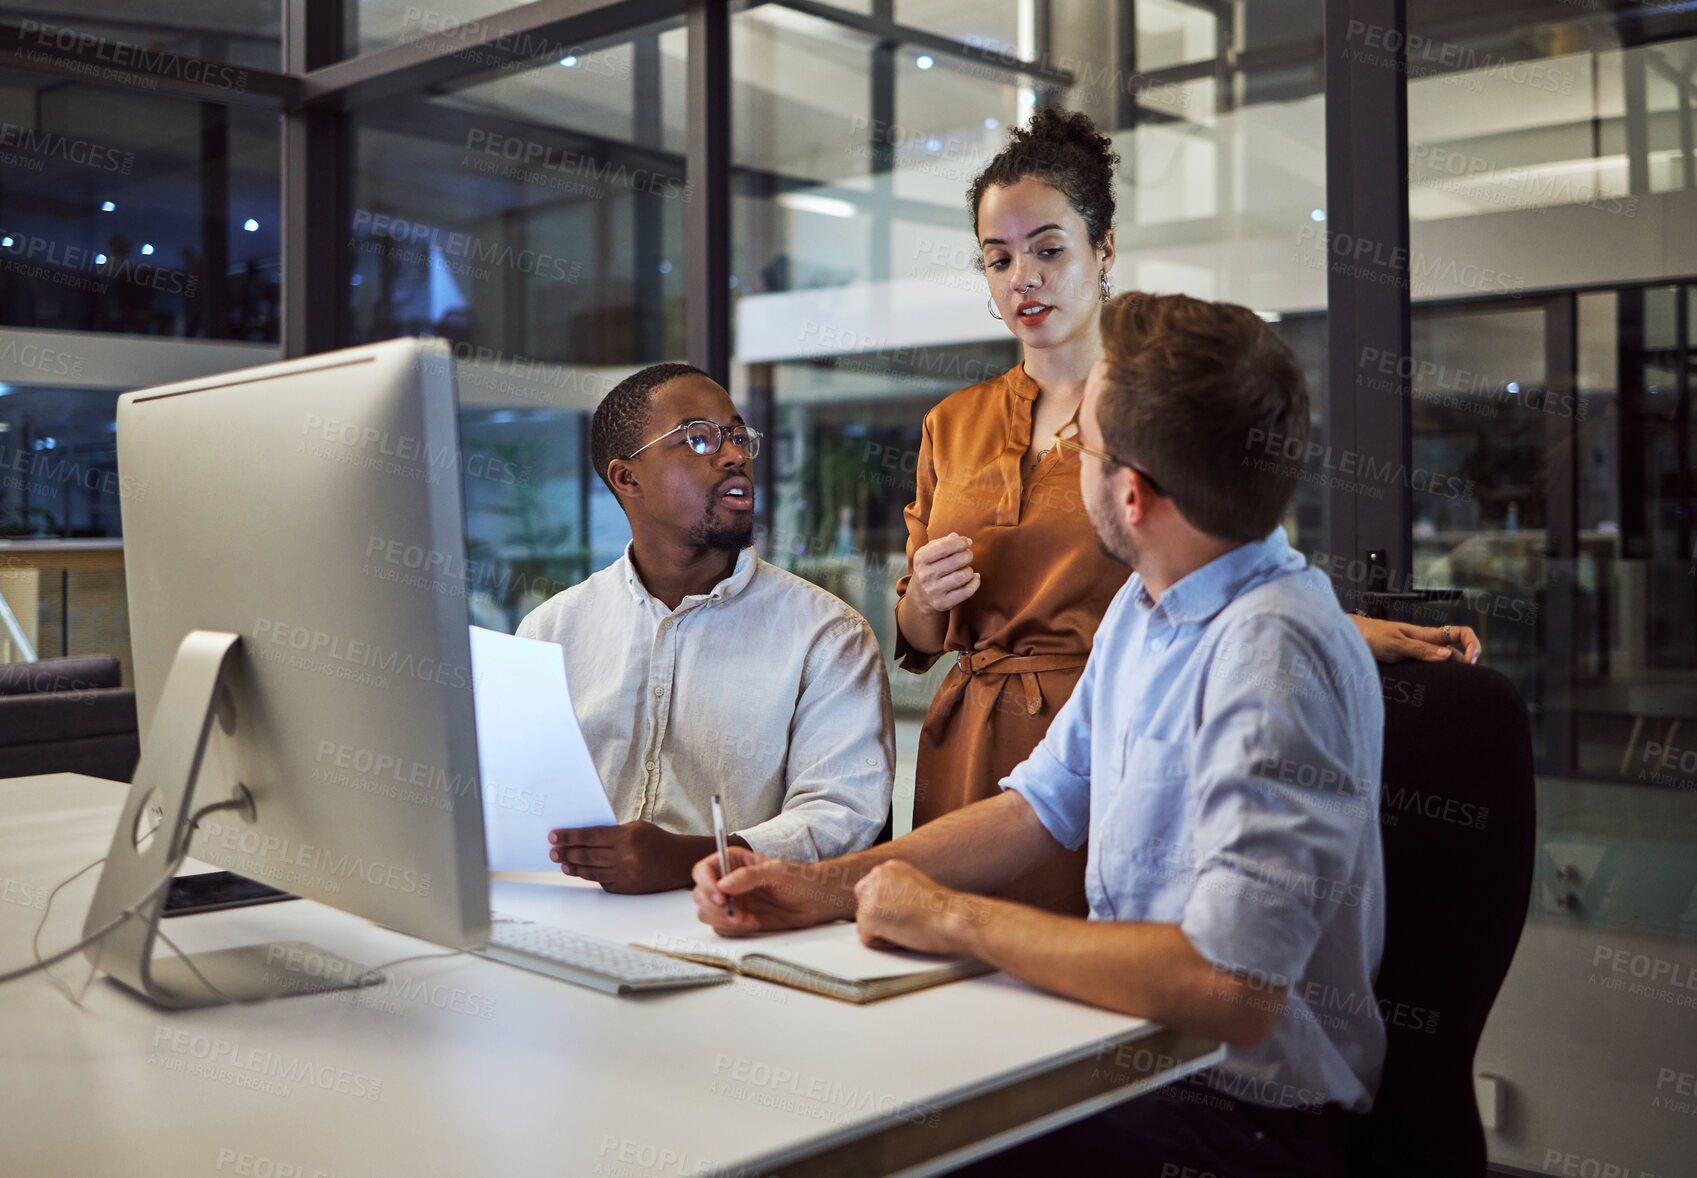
column 1019, row 384
column 741, row 575
column 1199, row 595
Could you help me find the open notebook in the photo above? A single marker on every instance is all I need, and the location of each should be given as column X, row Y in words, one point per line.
column 828, row 959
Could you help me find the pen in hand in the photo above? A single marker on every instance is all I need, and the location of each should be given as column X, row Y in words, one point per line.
column 724, row 854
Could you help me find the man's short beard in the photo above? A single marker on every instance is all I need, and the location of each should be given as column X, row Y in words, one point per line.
column 1128, row 554
column 725, row 537
column 1123, row 548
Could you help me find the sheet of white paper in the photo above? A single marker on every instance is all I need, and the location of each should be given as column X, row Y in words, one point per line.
column 535, row 769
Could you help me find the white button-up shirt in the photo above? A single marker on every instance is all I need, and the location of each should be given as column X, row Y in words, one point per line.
column 768, row 691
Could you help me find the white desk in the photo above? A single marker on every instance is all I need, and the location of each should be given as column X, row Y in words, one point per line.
column 462, row 1066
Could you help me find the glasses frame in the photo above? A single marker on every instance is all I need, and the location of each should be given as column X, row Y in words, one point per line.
column 752, row 449
column 1075, row 444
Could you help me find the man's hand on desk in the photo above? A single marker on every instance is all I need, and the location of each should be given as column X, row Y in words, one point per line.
column 632, row 857
column 770, row 893
column 903, row 907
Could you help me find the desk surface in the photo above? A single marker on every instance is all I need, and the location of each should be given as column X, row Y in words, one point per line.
column 460, row 1066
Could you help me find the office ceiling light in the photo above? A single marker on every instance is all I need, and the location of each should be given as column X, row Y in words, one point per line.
column 107, row 206
column 99, row 259
column 569, row 61
column 251, row 225
column 808, row 202
column 1317, row 215
column 146, row 249
column 991, row 124
column 6, row 241
column 925, row 61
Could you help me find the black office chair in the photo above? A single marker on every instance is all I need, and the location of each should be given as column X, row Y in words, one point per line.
column 1459, row 821
column 67, row 715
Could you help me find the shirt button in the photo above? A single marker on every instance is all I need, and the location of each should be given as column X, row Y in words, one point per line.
column 873, row 761
column 665, row 623
column 659, row 691
column 1157, row 644
column 649, row 765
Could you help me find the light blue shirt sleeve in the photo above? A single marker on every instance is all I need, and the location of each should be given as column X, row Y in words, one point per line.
column 1055, row 778
column 1280, row 820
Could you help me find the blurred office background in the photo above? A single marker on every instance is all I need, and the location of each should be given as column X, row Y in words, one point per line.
column 530, row 203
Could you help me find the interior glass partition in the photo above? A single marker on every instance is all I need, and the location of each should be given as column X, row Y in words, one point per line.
column 858, row 306
column 531, row 217
column 1550, row 367
column 140, row 237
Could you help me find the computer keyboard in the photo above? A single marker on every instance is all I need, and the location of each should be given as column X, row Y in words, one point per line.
column 590, row 961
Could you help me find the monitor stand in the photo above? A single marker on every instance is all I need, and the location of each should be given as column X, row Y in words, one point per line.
column 153, row 830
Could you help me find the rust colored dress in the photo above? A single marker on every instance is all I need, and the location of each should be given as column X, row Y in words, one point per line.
column 1024, row 636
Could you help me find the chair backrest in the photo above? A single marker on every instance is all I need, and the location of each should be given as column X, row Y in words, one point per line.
column 1459, row 819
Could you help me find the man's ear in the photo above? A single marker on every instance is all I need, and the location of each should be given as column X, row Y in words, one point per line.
column 1135, row 496
column 622, row 475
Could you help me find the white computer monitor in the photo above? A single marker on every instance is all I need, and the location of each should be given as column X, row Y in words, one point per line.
column 295, row 557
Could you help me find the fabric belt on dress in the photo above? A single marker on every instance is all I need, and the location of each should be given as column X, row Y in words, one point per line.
column 993, row 661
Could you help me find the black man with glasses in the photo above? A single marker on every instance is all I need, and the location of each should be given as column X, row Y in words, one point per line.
column 697, row 668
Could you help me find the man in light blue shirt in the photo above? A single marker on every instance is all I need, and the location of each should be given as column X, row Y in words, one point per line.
column 1221, row 754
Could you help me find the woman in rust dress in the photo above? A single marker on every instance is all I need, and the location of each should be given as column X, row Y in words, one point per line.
column 1003, row 564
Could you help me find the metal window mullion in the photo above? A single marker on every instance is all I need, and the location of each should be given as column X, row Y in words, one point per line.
column 707, row 212
column 1560, row 617
column 1367, row 296
column 316, row 183
column 1125, row 62
column 214, row 221
column 111, row 63
column 647, row 215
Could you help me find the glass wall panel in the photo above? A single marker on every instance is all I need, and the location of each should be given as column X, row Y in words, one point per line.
column 1170, row 32
column 139, row 244
column 136, row 213
column 1005, row 28
column 1549, row 176
column 858, row 303
column 372, row 25
column 533, row 219
column 146, row 34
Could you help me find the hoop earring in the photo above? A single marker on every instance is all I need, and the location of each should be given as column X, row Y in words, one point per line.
column 991, row 304
column 1107, row 287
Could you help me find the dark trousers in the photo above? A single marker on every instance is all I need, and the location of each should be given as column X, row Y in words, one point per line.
column 1185, row 1130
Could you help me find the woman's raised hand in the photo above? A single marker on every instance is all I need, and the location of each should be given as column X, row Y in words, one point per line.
column 943, row 575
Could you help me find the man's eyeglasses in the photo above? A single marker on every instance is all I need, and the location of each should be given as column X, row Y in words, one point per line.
column 1074, row 444
column 705, row 437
